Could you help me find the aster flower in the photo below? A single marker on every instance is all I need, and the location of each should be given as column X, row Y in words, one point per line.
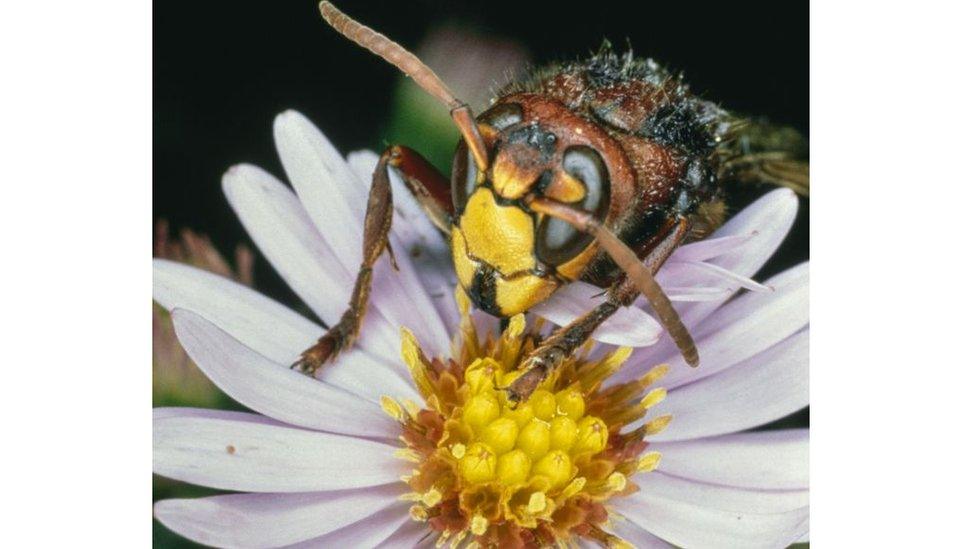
column 175, row 378
column 405, row 440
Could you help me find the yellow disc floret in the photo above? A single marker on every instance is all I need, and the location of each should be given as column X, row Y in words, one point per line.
column 487, row 469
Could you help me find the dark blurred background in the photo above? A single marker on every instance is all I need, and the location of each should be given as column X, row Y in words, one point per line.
column 223, row 70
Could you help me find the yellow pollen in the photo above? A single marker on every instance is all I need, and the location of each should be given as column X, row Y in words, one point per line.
column 537, row 503
column 617, row 482
column 432, row 497
column 617, row 543
column 479, row 525
column 654, row 397
column 648, row 462
column 418, row 513
column 657, row 424
column 458, row 450
column 490, row 470
column 392, row 408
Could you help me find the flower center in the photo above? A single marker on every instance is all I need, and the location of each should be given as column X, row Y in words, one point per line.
column 535, row 473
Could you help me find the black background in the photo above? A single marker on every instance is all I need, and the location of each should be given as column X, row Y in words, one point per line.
column 222, row 70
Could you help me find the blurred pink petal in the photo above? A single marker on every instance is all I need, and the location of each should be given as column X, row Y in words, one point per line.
column 273, row 389
column 768, row 460
column 231, row 454
column 271, row 520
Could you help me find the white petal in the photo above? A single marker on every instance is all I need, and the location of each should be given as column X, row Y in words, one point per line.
column 769, row 460
column 637, row 536
column 275, row 390
column 409, row 534
column 272, row 329
column 690, row 514
column 699, row 293
column 369, row 532
column 271, row 520
column 276, row 221
column 230, row 454
column 280, row 227
column 764, row 388
column 745, row 326
column 711, row 247
column 630, row 326
column 769, row 219
column 329, row 190
column 732, row 281
column 335, row 199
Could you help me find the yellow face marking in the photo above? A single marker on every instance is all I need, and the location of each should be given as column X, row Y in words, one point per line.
column 509, row 180
column 519, row 294
column 573, row 268
column 501, row 236
column 463, row 265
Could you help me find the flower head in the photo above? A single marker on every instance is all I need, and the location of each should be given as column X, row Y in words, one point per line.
column 323, row 463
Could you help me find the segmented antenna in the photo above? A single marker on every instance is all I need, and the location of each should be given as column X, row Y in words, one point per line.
column 398, row 56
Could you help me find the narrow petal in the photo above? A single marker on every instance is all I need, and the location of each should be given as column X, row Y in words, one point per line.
column 369, row 532
column 767, row 221
column 231, row 454
column 273, row 389
column 690, row 514
column 744, row 327
column 637, row 536
column 630, row 326
column 282, row 230
column 271, row 520
column 764, row 388
column 711, row 247
column 272, row 329
column 334, row 197
column 327, row 187
column 768, row 460
column 410, row 534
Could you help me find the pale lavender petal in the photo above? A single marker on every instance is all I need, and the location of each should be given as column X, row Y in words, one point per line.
column 334, row 197
column 369, row 532
column 732, row 281
column 630, row 326
column 690, row 514
column 271, row 520
column 745, row 326
column 696, row 293
column 410, row 534
column 274, row 330
column 637, row 536
column 769, row 219
column 282, row 230
column 769, row 460
column 327, row 187
column 711, row 247
column 275, row 390
column 764, row 388
column 230, row 454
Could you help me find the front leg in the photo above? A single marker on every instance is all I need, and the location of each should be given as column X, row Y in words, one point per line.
column 428, row 186
column 565, row 341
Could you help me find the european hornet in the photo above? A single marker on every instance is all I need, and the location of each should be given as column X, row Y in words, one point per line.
column 592, row 170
